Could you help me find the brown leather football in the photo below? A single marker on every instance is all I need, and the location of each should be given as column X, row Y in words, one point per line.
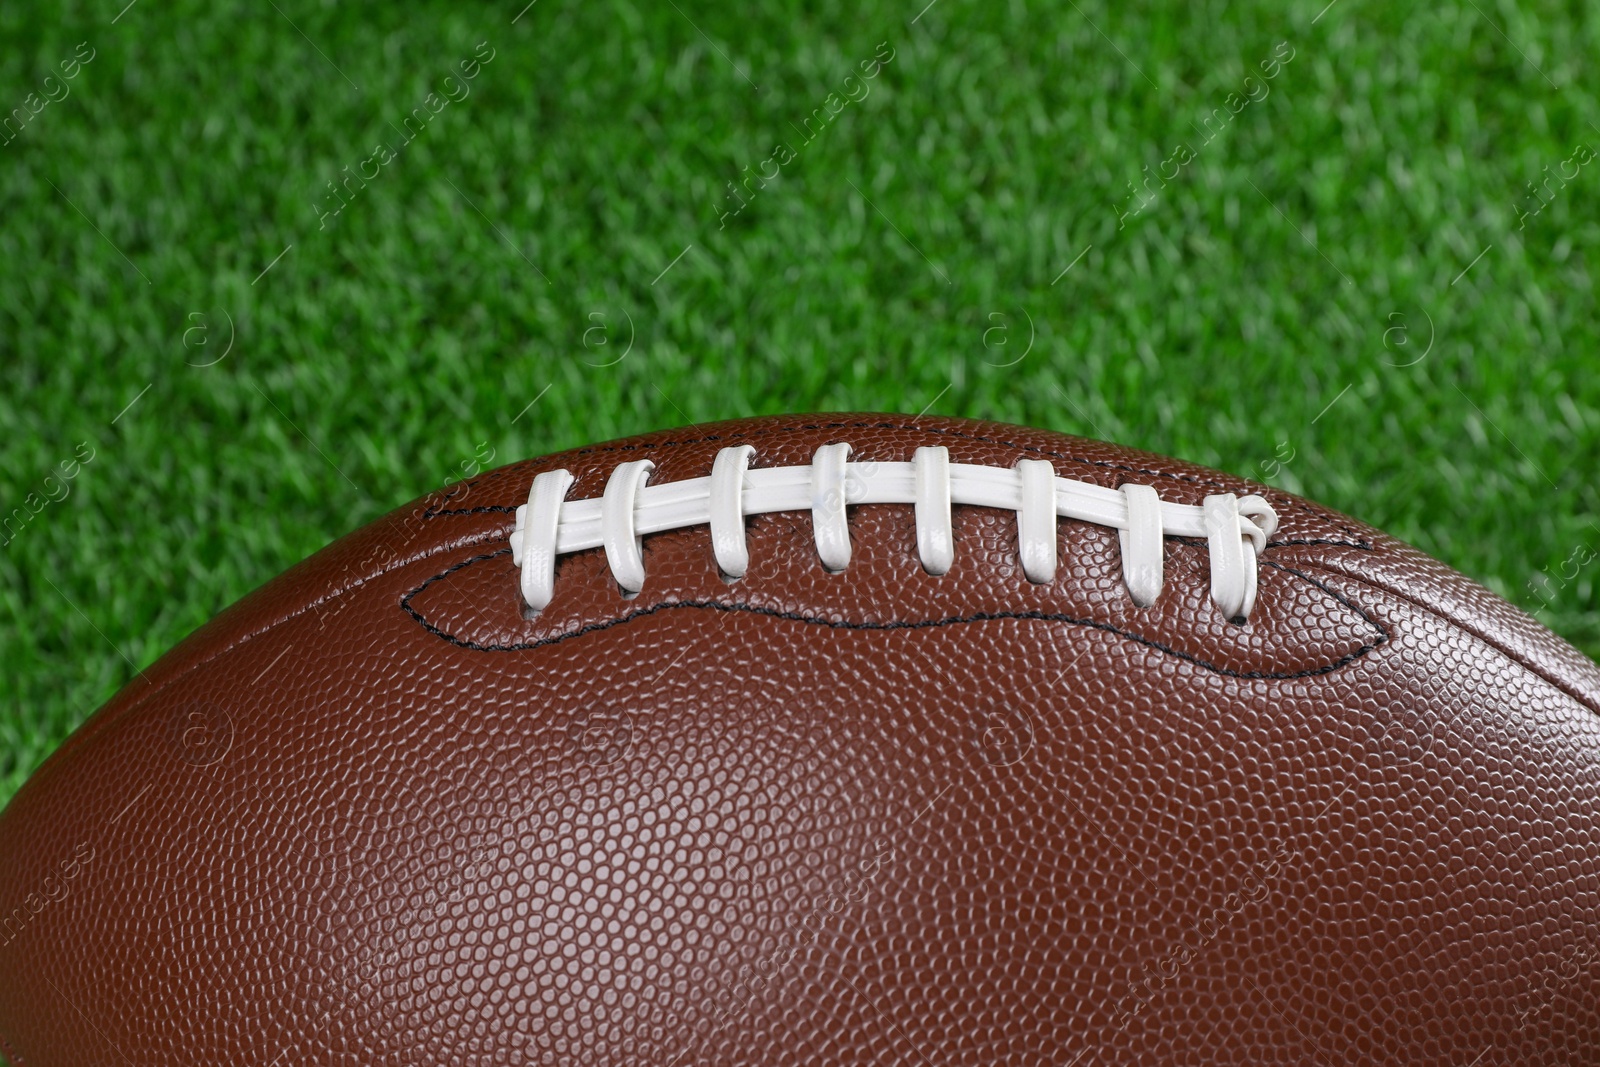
column 847, row 739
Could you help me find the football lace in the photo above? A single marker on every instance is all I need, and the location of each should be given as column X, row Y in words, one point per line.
column 1236, row 528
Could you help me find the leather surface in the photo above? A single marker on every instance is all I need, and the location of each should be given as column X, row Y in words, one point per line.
column 371, row 815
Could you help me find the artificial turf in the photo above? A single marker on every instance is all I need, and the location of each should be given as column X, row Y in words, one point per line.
column 469, row 299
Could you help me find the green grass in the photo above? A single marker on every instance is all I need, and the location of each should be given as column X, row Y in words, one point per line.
column 925, row 224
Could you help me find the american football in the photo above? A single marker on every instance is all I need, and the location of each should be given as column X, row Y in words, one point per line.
column 828, row 740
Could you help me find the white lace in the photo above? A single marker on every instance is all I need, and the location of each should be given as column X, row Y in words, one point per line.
column 1235, row 527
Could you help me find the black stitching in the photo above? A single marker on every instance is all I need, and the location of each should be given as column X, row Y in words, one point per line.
column 983, row 616
column 1200, row 542
column 708, row 438
column 458, row 487
column 11, row 1053
column 1383, row 635
column 1361, row 543
column 503, row 509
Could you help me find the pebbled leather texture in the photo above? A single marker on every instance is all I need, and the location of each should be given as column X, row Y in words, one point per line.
column 372, row 815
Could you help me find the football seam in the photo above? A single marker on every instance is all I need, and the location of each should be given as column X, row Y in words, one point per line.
column 1190, row 479
column 1532, row 668
column 902, row 624
column 93, row 726
column 1588, row 700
